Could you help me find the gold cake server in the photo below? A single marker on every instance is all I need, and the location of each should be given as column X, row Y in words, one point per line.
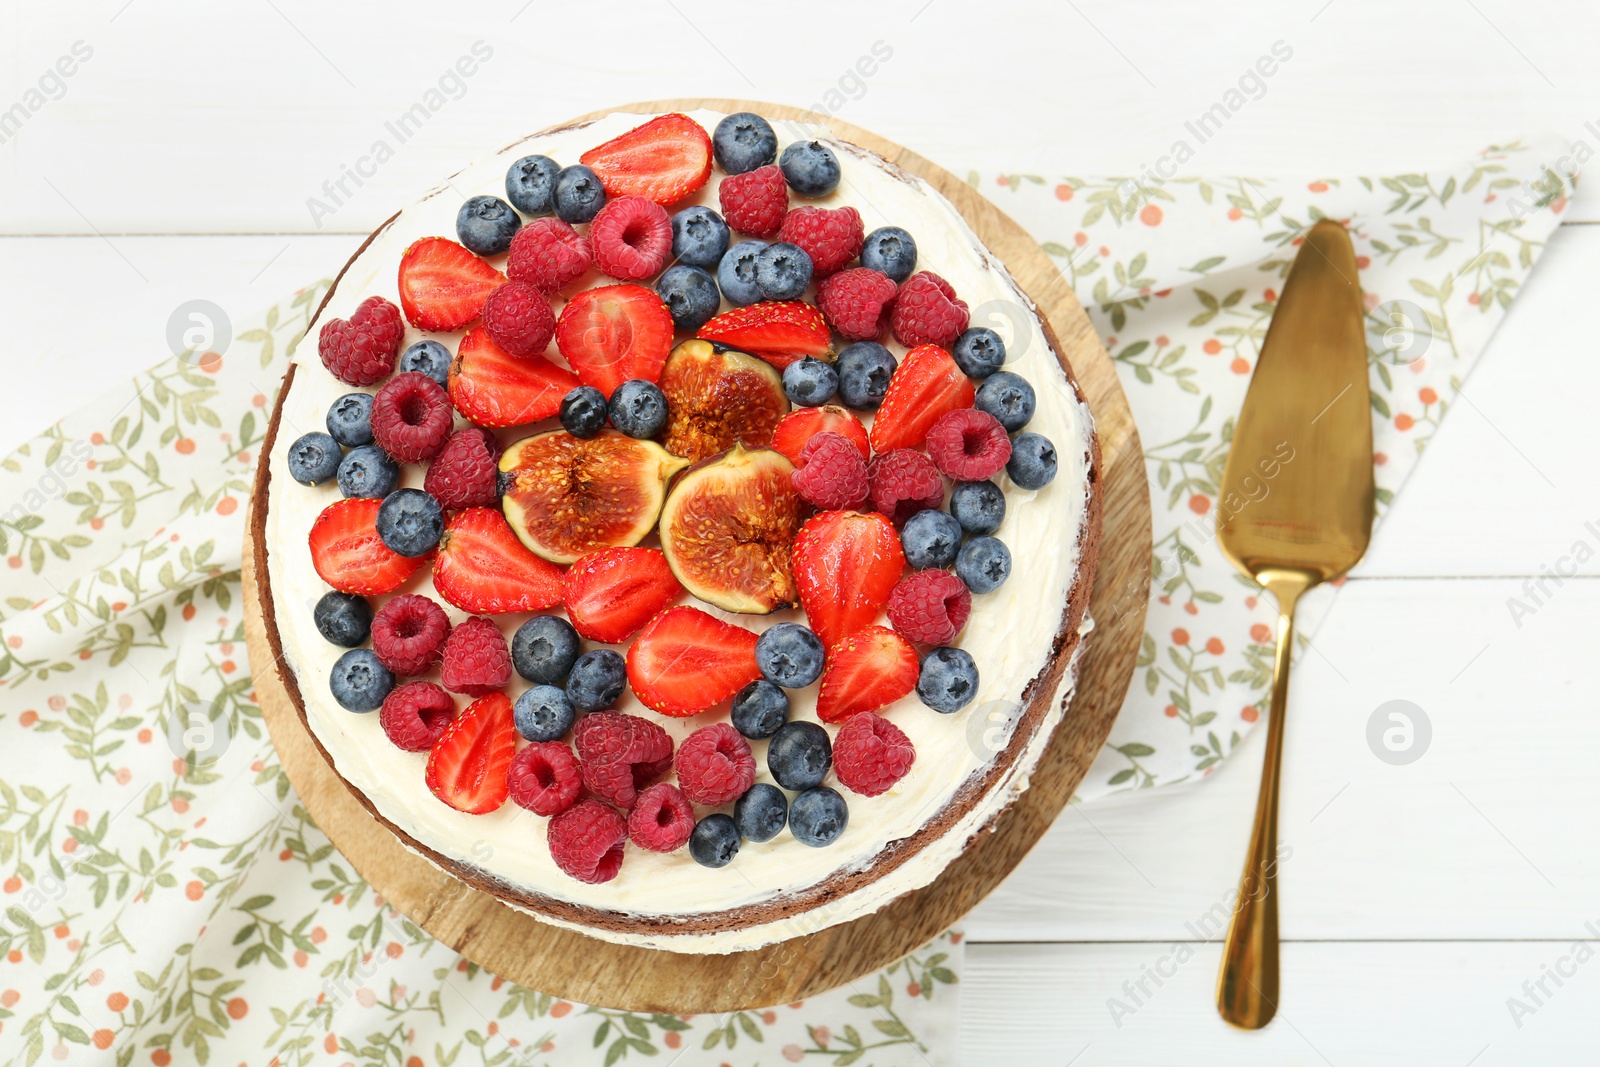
column 1295, row 510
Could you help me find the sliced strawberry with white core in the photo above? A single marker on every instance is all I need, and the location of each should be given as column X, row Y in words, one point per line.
column 467, row 767
column 443, row 286
column 491, row 387
column 779, row 331
column 349, row 555
column 613, row 333
column 482, row 567
column 870, row 669
column 686, row 661
column 663, row 160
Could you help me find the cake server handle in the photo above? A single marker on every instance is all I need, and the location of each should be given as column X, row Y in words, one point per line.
column 1247, row 983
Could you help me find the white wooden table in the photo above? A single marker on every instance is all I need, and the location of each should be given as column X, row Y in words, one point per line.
column 178, row 162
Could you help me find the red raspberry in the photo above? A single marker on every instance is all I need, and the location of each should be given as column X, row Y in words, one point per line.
column 548, row 254
column 518, row 319
column 831, row 473
column 857, row 303
column 362, row 349
column 927, row 312
column 407, row 634
column 415, row 715
column 831, row 238
column 754, row 203
column 476, row 661
column 930, row 606
column 903, row 482
column 631, row 237
column 969, row 445
column 714, row 765
column 662, row 820
column 544, row 778
column 465, row 472
column 621, row 754
column 586, row 841
column 411, row 417
column 870, row 754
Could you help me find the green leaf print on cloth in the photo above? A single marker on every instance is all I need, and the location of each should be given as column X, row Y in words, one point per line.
column 1180, row 278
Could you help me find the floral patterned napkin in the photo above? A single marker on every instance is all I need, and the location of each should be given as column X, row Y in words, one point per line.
column 164, row 898
column 1180, row 278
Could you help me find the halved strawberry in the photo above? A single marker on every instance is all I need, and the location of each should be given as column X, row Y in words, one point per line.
column 802, row 424
column 468, row 764
column 483, row 568
column 685, row 661
column 612, row 333
column 442, row 285
column 927, row 384
column 491, row 387
column 350, row 556
column 779, row 331
column 609, row 594
column 868, row 670
column 846, row 564
column 664, row 160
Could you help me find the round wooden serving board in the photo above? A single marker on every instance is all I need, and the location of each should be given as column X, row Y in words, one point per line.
column 535, row 954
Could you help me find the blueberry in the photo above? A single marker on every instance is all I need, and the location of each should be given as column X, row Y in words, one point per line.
column 742, row 142
column 314, row 459
column 638, row 408
column 891, row 250
column 978, row 506
column 818, row 816
column 714, row 841
column 979, row 352
column 761, row 812
column 783, row 271
column 984, row 564
column 368, row 472
column 543, row 713
column 1033, row 461
column 531, row 184
column 344, row 619
column 949, row 680
column 809, row 382
column 810, row 168
column 579, row 195
column 410, row 522
column 864, row 372
column 799, row 755
column 1008, row 397
column 690, row 294
column 359, row 682
column 596, row 680
column 736, row 273
column 699, row 237
column 759, row 709
column 486, row 225
column 789, row 655
column 583, row 411
column 350, row 419
column 430, row 358
column 543, row 649
column 931, row 539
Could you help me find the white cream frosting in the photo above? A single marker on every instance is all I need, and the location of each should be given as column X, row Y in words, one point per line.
column 1010, row 632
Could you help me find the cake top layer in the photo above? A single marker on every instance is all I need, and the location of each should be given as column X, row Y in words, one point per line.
column 770, row 890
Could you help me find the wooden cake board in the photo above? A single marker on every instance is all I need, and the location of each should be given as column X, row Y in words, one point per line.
column 533, row 953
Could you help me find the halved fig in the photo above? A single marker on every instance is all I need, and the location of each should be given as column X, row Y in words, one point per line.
column 569, row 496
column 717, row 397
column 727, row 529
